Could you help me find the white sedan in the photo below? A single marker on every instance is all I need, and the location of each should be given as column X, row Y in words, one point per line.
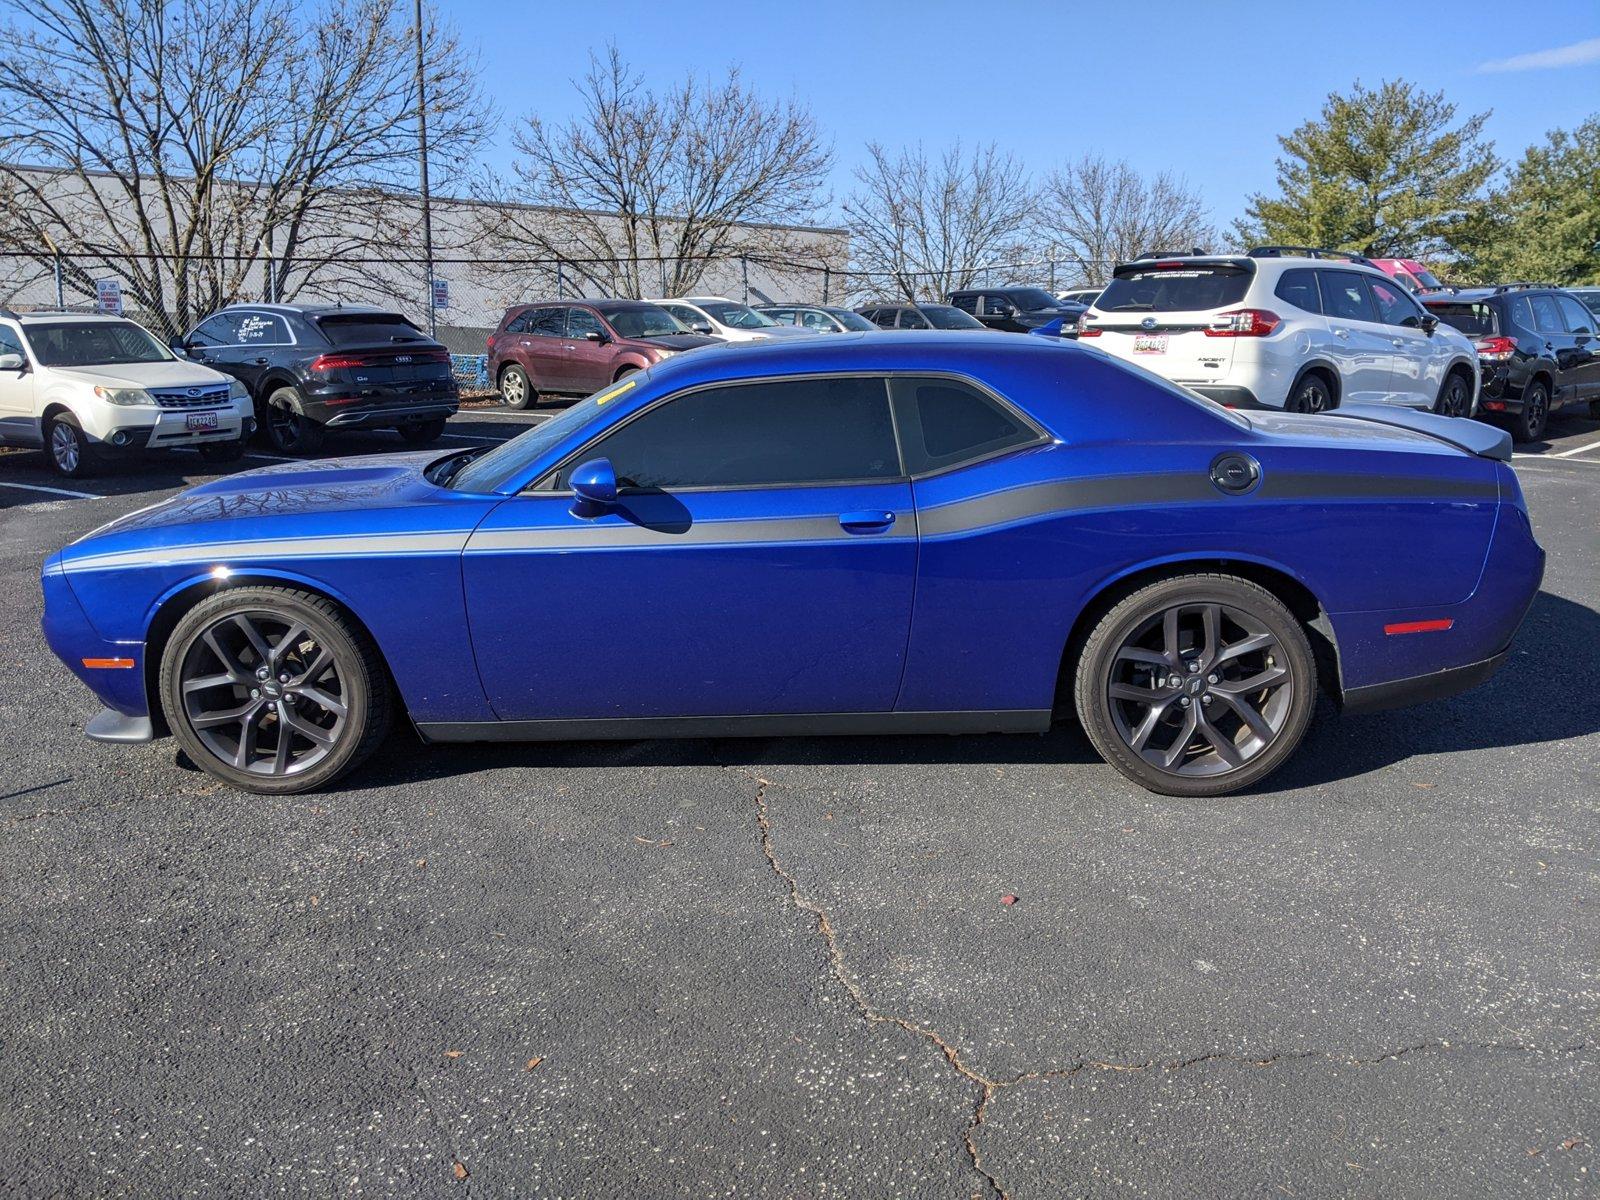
column 729, row 320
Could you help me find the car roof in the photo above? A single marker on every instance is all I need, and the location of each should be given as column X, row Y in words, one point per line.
column 61, row 315
column 607, row 306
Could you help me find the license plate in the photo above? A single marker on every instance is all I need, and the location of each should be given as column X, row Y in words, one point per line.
column 1156, row 344
column 201, row 420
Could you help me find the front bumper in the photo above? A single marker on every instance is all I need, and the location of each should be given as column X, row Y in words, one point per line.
column 171, row 429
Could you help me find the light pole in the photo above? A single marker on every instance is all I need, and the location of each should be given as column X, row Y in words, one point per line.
column 422, row 158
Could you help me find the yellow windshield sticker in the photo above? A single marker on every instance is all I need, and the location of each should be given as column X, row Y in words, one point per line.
column 614, row 392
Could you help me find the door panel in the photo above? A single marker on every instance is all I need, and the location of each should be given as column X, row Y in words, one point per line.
column 1360, row 346
column 540, row 349
column 590, row 365
column 699, row 603
column 17, row 423
column 1585, row 366
column 1417, row 370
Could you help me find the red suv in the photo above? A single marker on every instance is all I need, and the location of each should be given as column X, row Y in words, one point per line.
column 574, row 348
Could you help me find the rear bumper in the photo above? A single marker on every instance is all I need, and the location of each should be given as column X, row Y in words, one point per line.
column 1232, row 395
column 1419, row 689
column 382, row 416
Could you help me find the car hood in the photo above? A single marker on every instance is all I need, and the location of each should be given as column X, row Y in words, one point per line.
column 144, row 375
column 783, row 331
column 678, row 341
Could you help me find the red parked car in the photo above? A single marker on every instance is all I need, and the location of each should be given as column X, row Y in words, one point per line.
column 576, row 347
column 1411, row 274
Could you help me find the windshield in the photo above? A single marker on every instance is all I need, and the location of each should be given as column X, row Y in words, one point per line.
column 1188, row 289
column 1032, row 299
column 850, row 320
column 944, row 316
column 95, row 344
column 735, row 316
column 1428, row 280
column 489, row 471
column 644, row 322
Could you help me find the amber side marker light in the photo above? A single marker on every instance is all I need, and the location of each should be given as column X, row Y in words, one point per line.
column 109, row 664
column 1419, row 626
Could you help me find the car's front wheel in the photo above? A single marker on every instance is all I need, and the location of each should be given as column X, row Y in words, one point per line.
column 273, row 689
column 1197, row 685
column 67, row 447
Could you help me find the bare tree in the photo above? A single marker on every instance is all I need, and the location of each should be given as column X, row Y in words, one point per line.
column 924, row 226
column 177, row 144
column 1096, row 214
column 703, row 171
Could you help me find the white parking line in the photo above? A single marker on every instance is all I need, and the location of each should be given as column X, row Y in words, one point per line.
column 1577, row 450
column 34, row 487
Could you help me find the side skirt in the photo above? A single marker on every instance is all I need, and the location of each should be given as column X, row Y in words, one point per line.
column 1021, row 720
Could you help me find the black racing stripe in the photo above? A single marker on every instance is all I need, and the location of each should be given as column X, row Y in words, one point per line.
column 1314, row 486
column 1113, row 491
column 699, row 533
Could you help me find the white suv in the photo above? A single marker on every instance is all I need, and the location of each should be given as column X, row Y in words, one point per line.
column 727, row 319
column 81, row 385
column 1278, row 330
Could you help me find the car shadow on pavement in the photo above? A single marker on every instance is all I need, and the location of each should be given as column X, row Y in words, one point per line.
column 1542, row 694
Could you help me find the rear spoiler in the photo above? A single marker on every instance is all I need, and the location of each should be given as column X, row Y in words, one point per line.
column 1474, row 437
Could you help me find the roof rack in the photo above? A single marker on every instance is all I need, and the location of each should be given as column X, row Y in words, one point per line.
column 1517, row 285
column 1309, row 252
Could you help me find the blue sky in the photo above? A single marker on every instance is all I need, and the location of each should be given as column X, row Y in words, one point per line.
column 1201, row 89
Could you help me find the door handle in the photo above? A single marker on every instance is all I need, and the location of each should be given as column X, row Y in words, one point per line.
column 1398, row 341
column 868, row 521
column 1342, row 333
column 260, row 362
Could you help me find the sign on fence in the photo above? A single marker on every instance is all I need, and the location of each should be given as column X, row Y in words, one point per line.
column 441, row 293
column 108, row 296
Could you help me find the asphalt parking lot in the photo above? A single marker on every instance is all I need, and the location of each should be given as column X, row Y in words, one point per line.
column 784, row 966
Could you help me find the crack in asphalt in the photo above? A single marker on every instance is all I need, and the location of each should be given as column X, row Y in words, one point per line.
column 988, row 1088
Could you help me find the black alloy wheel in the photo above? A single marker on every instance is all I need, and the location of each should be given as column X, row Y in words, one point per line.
column 1455, row 397
column 1310, row 395
column 1535, row 415
column 288, row 430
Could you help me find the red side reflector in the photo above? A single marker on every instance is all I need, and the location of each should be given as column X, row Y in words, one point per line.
column 1438, row 626
column 109, row 664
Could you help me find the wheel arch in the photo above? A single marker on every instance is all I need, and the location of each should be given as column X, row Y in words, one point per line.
column 1325, row 368
column 177, row 601
column 1293, row 591
column 274, row 379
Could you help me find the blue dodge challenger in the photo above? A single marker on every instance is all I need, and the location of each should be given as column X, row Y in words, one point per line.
column 862, row 534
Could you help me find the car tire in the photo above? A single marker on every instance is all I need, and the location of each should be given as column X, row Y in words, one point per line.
column 516, row 389
column 422, row 433
column 1530, row 424
column 1212, row 732
column 222, row 452
column 259, row 733
column 623, row 374
column 1312, row 393
column 67, row 447
column 287, row 429
column 1455, row 396
column 1594, row 410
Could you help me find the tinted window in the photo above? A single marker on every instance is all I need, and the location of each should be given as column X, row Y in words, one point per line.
column 518, row 323
column 260, row 329
column 849, row 319
column 366, row 328
column 910, row 318
column 1521, row 312
column 1546, row 316
column 217, row 331
column 996, row 306
column 747, row 435
column 883, row 317
column 547, row 322
column 967, row 303
column 1032, row 299
column 944, row 422
column 644, row 321
column 1299, row 288
column 1186, row 289
column 1394, row 308
column 581, row 323
column 944, row 316
column 1344, row 296
column 1579, row 319
column 1474, row 320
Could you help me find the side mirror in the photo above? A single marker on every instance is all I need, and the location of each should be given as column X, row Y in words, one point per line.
column 1429, row 324
column 12, row 362
column 594, row 335
column 594, row 487
column 703, row 327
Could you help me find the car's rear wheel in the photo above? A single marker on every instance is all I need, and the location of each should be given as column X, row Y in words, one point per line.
column 1535, row 415
column 288, row 430
column 1455, row 397
column 1311, row 394
column 273, row 689
column 516, row 389
column 420, row 433
column 1196, row 686
column 67, row 447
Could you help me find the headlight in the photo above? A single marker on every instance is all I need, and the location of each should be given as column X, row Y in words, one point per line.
column 124, row 395
column 237, row 390
column 660, row 354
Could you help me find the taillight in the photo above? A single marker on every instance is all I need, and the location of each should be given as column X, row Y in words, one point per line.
column 489, row 345
column 340, row 362
column 1244, row 322
column 1496, row 349
column 1087, row 330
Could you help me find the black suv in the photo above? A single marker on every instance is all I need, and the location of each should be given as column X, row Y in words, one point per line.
column 1017, row 309
column 312, row 368
column 918, row 316
column 1537, row 349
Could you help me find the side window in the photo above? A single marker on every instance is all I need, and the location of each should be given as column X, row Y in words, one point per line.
column 11, row 341
column 996, row 306
column 816, row 320
column 688, row 318
column 1546, row 316
column 1394, row 306
column 1579, row 318
column 1299, row 288
column 581, row 323
column 215, row 331
column 1344, row 296
column 910, row 318
column 967, row 303
column 260, row 329
column 1521, row 313
column 547, row 322
column 518, row 323
column 757, row 434
column 883, row 317
column 944, row 422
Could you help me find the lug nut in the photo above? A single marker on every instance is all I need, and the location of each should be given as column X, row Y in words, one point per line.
column 1174, row 681
column 262, row 672
column 1194, row 668
column 1211, row 678
column 1184, row 701
column 285, row 679
column 1206, row 699
column 255, row 693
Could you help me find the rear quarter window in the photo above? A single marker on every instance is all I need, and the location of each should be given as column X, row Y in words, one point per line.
column 945, row 423
column 1185, row 289
column 1299, row 288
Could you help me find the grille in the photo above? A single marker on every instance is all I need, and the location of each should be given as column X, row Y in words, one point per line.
column 208, row 396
